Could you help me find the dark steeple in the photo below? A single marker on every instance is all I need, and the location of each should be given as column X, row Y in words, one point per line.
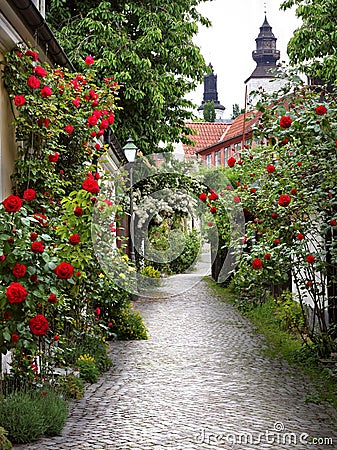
column 211, row 91
column 265, row 54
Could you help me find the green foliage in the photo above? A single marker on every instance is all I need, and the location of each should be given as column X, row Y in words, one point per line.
column 140, row 44
column 150, row 271
column 236, row 111
column 88, row 369
column 291, row 315
column 4, row 442
column 28, row 415
column 209, row 112
column 70, row 386
column 128, row 324
column 312, row 43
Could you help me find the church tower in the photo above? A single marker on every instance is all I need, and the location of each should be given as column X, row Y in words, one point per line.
column 211, row 93
column 266, row 56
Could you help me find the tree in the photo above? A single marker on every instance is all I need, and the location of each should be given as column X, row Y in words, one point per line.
column 209, row 111
column 148, row 47
column 314, row 42
column 236, row 111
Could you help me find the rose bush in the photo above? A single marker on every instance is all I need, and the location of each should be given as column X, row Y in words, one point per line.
column 48, row 276
column 290, row 207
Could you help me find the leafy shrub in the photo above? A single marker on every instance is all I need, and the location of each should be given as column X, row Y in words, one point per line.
column 128, row 324
column 151, row 277
column 4, row 442
column 88, row 344
column 70, row 386
column 87, row 367
column 28, row 415
column 290, row 314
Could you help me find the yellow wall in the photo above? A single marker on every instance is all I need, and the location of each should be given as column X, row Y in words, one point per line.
column 7, row 141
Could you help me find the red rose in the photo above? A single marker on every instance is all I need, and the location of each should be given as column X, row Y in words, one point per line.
column 33, row 82
column 333, row 222
column 284, row 200
column 267, row 256
column 277, row 241
column 92, row 121
column 12, row 203
column 33, row 236
column 40, row 71
column 19, row 100
column 29, row 195
column 33, row 55
column 91, row 185
column 203, row 197
column 285, row 121
column 213, row 196
column 270, row 168
column 78, row 274
column 231, row 162
column 285, row 141
column 16, row 293
column 76, row 102
column 39, row 325
column 78, row 211
column 321, row 110
column 100, row 133
column 210, row 224
column 274, row 216
column 93, row 95
column 237, row 199
column 33, row 278
column 64, row 270
column 53, row 157
column 310, row 259
column 52, row 299
column 293, row 192
column 111, row 119
column 104, row 124
column 253, row 190
column 37, row 247
column 69, row 129
column 2, row 258
column 74, row 239
column 43, row 122
column 56, row 338
column 97, row 147
column 19, row 270
column 213, row 209
column 14, row 337
column 257, row 264
column 300, row 236
column 89, row 60
column 98, row 311
column 308, row 283
column 46, row 92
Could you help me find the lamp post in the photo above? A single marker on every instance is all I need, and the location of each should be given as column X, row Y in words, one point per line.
column 130, row 151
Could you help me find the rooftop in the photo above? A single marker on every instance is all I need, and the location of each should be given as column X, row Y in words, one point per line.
column 208, row 133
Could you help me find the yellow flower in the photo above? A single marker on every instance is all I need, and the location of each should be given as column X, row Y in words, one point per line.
column 122, row 275
column 101, row 275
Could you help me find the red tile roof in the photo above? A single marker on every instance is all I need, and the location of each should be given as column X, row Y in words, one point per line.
column 208, row 133
column 236, row 128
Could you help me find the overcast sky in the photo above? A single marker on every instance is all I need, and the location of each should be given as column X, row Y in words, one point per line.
column 229, row 43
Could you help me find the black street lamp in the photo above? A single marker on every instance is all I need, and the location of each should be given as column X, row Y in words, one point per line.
column 130, row 151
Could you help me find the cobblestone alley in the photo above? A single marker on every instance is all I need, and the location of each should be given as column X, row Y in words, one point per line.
column 199, row 382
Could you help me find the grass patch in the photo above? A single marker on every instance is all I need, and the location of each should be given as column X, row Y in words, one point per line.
column 283, row 344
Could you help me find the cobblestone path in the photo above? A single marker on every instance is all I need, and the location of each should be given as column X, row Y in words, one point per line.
column 200, row 382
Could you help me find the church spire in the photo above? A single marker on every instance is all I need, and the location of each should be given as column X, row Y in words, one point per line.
column 211, row 94
column 265, row 54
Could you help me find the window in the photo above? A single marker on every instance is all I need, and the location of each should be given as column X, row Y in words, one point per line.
column 218, row 158
column 226, row 155
column 208, row 160
column 40, row 4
